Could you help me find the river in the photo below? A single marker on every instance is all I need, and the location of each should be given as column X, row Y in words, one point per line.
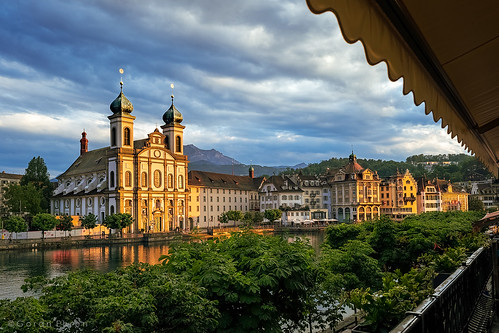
column 15, row 266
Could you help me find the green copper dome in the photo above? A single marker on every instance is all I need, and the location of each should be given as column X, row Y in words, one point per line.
column 172, row 115
column 121, row 104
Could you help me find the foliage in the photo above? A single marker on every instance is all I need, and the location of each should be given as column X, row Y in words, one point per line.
column 15, row 224
column 399, row 293
column 450, row 260
column 354, row 262
column 23, row 198
column 252, row 217
column 338, row 235
column 259, row 282
column 44, row 222
column 475, row 204
column 37, row 175
column 272, row 214
column 65, row 223
column 118, row 221
column 88, row 221
column 24, row 315
column 138, row 298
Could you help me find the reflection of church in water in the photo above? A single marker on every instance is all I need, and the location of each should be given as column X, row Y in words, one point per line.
column 146, row 178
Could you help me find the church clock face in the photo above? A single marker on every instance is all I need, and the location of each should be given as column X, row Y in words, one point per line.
column 157, row 153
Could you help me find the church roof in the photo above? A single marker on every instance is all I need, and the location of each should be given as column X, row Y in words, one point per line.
column 91, row 161
column 121, row 104
column 221, row 180
column 353, row 166
column 172, row 115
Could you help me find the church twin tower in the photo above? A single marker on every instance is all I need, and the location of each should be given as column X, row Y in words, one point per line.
column 146, row 178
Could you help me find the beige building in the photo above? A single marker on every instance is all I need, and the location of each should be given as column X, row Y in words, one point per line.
column 146, row 178
column 212, row 194
column 398, row 196
column 355, row 193
column 5, row 180
column 429, row 197
column 280, row 191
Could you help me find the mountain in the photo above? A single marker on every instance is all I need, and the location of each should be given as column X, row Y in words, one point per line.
column 214, row 161
column 211, row 156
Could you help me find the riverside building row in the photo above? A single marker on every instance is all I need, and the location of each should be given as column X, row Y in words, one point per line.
column 149, row 179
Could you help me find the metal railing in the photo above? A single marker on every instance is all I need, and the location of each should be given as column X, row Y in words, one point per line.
column 450, row 307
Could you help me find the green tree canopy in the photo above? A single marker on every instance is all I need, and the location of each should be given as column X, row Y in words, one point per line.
column 23, row 198
column 475, row 204
column 44, row 222
column 37, row 174
column 252, row 217
column 88, row 221
column 65, row 223
column 272, row 214
column 118, row 221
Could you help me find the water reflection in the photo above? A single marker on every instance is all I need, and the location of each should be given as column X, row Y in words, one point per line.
column 15, row 266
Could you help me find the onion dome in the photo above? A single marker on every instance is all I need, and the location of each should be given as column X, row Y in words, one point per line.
column 121, row 103
column 172, row 115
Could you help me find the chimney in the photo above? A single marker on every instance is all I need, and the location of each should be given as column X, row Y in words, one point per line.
column 83, row 143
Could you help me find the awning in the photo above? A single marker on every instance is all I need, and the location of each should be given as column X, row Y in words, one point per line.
column 447, row 53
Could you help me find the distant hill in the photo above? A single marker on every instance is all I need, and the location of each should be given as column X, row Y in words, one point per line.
column 211, row 156
column 214, row 161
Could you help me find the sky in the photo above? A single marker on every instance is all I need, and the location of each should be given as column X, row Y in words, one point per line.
column 266, row 82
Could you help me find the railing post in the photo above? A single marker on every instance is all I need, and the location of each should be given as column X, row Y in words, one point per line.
column 495, row 274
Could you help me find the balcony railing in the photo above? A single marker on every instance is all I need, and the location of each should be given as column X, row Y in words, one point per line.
column 450, row 308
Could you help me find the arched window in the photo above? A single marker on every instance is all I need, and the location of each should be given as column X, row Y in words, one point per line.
column 111, row 179
column 144, row 179
column 178, row 144
column 180, row 181
column 170, row 180
column 126, row 136
column 284, row 197
column 113, row 136
column 128, row 178
column 112, row 210
column 167, row 145
column 158, row 204
column 157, row 178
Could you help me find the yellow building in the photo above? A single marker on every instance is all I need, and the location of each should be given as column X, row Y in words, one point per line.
column 398, row 196
column 355, row 193
column 453, row 198
column 146, row 178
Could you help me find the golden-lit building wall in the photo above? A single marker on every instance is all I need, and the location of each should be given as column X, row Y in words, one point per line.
column 429, row 199
column 194, row 211
column 369, row 202
column 454, row 200
column 398, row 196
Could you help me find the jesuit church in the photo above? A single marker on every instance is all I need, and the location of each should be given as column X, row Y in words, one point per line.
column 146, row 178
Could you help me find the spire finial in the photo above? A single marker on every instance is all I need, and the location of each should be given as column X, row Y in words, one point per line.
column 172, row 86
column 121, row 79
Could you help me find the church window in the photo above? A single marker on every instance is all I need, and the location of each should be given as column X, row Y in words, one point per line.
column 167, row 145
column 112, row 210
column 144, row 179
column 178, row 144
column 158, row 204
column 157, row 178
column 170, row 180
column 180, row 181
column 113, row 136
column 111, row 179
column 126, row 135
column 128, row 178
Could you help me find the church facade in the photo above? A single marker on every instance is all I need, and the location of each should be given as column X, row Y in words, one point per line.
column 145, row 178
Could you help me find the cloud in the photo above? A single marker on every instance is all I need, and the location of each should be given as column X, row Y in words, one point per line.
column 261, row 81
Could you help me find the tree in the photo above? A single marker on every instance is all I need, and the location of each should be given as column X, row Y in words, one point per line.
column 65, row 223
column 23, row 198
column 137, row 298
column 252, row 218
column 475, row 204
column 36, row 174
column 234, row 215
column 118, row 221
column 259, row 282
column 272, row 214
column 89, row 221
column 15, row 224
column 44, row 222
